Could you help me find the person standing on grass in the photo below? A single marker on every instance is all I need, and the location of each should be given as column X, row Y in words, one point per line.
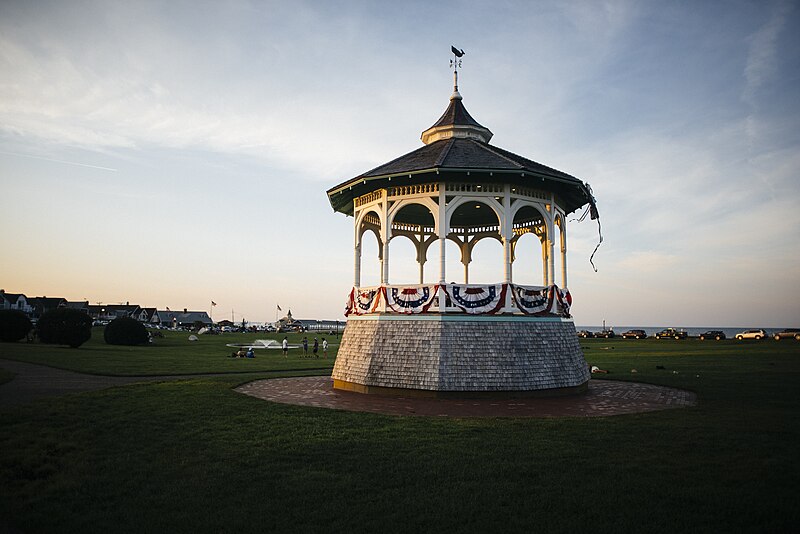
column 324, row 348
column 316, row 348
column 305, row 347
column 285, row 346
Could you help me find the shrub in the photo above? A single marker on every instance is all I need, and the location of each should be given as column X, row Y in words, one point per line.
column 14, row 325
column 65, row 326
column 125, row 331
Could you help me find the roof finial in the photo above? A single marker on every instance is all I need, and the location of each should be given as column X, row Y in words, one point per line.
column 454, row 64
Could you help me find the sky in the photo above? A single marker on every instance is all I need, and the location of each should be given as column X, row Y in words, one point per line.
column 173, row 153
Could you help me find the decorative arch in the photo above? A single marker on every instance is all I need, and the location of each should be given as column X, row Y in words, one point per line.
column 361, row 229
column 418, row 227
column 428, row 202
column 466, row 234
column 459, row 200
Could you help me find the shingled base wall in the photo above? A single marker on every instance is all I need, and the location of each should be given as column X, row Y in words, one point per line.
column 454, row 354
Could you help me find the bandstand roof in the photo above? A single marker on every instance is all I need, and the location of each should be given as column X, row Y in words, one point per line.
column 457, row 149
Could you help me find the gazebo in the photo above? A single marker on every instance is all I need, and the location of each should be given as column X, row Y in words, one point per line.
column 458, row 338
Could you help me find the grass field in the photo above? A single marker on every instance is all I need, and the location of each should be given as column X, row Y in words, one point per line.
column 172, row 354
column 193, row 455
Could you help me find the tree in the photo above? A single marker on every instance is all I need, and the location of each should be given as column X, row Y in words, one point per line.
column 125, row 331
column 65, row 326
column 14, row 325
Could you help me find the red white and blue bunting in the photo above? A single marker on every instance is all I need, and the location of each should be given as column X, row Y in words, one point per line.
column 542, row 300
column 362, row 301
column 478, row 299
column 472, row 299
column 410, row 299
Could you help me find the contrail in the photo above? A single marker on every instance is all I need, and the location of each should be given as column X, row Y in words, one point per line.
column 59, row 161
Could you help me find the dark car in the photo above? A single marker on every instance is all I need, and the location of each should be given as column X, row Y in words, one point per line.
column 671, row 333
column 789, row 333
column 635, row 334
column 604, row 333
column 712, row 334
column 585, row 333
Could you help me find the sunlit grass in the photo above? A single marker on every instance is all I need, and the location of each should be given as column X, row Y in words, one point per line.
column 172, row 354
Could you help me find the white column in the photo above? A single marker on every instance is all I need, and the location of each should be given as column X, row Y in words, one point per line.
column 545, row 262
column 386, row 234
column 563, row 253
column 357, row 265
column 551, row 260
column 420, row 243
column 443, row 229
column 385, row 263
column 506, row 232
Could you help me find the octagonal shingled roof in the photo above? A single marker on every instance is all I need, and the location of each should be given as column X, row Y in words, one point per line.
column 457, row 149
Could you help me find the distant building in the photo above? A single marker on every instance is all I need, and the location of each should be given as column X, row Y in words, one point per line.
column 184, row 318
column 14, row 301
column 109, row 312
column 80, row 306
column 146, row 315
column 288, row 323
column 42, row 305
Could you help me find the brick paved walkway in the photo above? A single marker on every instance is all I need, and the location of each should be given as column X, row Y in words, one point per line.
column 605, row 397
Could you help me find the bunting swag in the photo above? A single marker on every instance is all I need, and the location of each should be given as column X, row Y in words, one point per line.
column 471, row 299
column 542, row 300
column 362, row 301
column 565, row 299
column 477, row 300
column 410, row 299
column 532, row 300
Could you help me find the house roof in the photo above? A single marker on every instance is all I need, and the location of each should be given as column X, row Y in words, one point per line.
column 457, row 149
column 46, row 302
column 12, row 297
column 183, row 318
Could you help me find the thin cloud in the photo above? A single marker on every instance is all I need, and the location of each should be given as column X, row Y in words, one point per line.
column 59, row 161
column 761, row 63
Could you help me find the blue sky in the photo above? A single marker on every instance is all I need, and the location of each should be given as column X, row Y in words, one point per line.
column 171, row 154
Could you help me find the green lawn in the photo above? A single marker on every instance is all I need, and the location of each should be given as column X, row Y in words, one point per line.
column 6, row 376
column 195, row 456
column 172, row 354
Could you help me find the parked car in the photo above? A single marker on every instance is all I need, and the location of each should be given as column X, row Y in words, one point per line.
column 712, row 334
column 585, row 333
column 671, row 333
column 755, row 333
column 636, row 334
column 789, row 333
column 604, row 333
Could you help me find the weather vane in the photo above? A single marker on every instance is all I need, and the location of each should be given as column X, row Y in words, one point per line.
column 455, row 63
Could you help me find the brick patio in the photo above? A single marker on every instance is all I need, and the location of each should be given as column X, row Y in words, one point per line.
column 603, row 398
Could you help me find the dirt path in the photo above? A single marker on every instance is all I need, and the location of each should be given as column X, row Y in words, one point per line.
column 37, row 381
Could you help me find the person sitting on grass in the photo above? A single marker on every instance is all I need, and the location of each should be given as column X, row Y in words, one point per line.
column 251, row 353
column 242, row 353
